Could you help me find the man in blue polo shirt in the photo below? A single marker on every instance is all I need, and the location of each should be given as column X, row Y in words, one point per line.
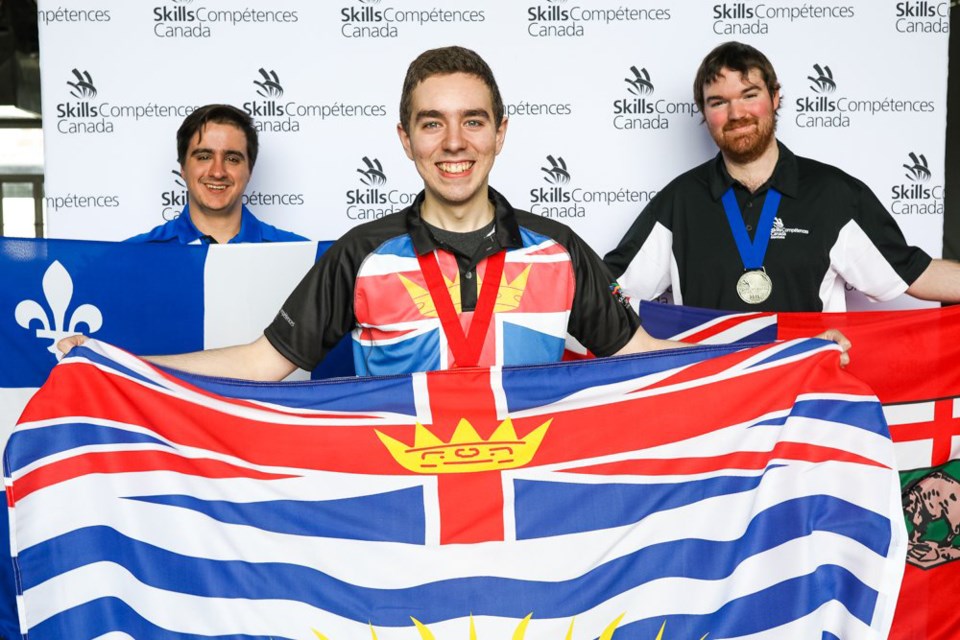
column 217, row 147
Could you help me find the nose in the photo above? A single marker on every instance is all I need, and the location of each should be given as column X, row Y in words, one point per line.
column 453, row 139
column 217, row 166
column 735, row 110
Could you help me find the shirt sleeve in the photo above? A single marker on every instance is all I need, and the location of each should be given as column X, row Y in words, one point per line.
column 876, row 246
column 318, row 313
column 642, row 261
column 600, row 318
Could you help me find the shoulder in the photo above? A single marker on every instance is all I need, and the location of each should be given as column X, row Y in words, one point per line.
column 820, row 174
column 699, row 174
column 344, row 259
column 684, row 195
column 536, row 229
column 253, row 229
column 690, row 187
column 165, row 232
column 542, row 225
column 507, row 214
column 392, row 224
column 366, row 238
column 689, row 183
column 271, row 233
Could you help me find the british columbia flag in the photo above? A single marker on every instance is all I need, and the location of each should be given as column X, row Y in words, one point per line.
column 707, row 492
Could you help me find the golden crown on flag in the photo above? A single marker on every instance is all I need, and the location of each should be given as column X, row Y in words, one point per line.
column 508, row 295
column 466, row 452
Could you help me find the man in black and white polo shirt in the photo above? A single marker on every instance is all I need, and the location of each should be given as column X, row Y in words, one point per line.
column 458, row 279
column 760, row 229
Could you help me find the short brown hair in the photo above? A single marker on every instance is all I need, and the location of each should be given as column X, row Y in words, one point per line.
column 735, row 56
column 446, row 61
column 219, row 114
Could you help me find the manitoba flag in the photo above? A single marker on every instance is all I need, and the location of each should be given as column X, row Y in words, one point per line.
column 911, row 360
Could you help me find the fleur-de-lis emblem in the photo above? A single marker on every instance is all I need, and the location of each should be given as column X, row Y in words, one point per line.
column 58, row 290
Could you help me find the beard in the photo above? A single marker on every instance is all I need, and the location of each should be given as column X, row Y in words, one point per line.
column 743, row 148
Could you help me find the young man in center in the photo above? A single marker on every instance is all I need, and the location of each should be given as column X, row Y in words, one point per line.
column 460, row 278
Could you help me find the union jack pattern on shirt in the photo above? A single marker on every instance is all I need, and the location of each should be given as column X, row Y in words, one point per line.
column 399, row 329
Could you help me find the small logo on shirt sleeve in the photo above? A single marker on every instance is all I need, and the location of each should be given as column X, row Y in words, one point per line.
column 617, row 292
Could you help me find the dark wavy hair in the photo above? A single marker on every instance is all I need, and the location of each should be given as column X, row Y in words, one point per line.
column 446, row 61
column 219, row 114
column 737, row 57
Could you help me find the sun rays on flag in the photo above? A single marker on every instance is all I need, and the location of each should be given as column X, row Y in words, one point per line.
column 519, row 634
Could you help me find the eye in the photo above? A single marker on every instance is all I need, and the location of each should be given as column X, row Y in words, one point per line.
column 474, row 123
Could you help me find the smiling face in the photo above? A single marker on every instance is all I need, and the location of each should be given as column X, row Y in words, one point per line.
column 216, row 170
column 453, row 140
column 740, row 113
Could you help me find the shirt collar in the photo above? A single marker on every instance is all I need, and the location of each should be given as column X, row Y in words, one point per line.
column 505, row 219
column 188, row 233
column 785, row 178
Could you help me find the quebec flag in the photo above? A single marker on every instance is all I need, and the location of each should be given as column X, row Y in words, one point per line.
column 149, row 298
column 700, row 493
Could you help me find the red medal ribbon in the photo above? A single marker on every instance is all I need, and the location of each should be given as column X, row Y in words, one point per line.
column 466, row 348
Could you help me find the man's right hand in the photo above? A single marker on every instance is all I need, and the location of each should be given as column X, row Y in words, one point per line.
column 69, row 343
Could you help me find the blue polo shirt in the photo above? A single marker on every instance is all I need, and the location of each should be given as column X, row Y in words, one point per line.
column 181, row 229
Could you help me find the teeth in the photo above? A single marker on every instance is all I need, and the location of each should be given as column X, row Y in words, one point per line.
column 454, row 167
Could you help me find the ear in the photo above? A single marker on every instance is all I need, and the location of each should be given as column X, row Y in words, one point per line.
column 405, row 141
column 502, row 133
column 776, row 100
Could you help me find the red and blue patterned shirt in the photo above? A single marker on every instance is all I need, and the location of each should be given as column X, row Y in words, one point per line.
column 369, row 283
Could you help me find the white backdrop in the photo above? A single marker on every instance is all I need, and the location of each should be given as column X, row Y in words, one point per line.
column 602, row 88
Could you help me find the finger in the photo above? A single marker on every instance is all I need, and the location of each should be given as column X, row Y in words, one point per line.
column 837, row 337
column 70, row 342
column 841, row 341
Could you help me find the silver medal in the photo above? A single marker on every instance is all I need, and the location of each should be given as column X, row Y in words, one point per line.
column 754, row 286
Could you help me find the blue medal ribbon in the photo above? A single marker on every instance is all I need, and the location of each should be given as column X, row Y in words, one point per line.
column 751, row 253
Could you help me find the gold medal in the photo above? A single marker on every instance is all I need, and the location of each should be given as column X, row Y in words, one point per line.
column 754, row 286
